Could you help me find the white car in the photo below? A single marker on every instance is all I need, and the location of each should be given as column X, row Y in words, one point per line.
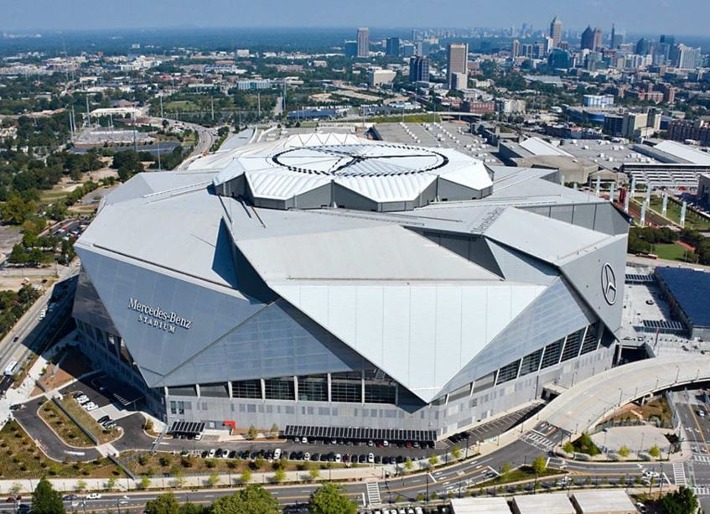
column 93, row 496
column 90, row 406
column 370, row 458
column 338, row 458
column 82, row 399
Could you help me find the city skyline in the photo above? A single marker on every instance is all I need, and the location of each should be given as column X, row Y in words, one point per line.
column 654, row 16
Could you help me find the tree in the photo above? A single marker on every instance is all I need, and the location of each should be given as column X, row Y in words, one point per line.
column 682, row 501
column 274, row 430
column 408, row 464
column 163, row 504
column 624, row 451
column 314, row 473
column 80, row 486
column 456, row 452
column 329, row 499
column 246, row 476
column 655, row 451
column 253, row 499
column 144, row 482
column 16, row 210
column 433, row 460
column 251, row 433
column 213, row 479
column 45, row 500
column 279, row 475
column 539, row 465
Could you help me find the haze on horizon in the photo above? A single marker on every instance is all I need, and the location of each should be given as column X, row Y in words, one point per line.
column 680, row 17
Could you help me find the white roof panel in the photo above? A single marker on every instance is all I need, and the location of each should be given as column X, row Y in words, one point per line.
column 685, row 152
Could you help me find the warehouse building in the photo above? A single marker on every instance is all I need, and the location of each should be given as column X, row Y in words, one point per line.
column 327, row 281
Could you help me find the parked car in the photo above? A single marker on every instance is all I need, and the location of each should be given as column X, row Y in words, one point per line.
column 93, row 496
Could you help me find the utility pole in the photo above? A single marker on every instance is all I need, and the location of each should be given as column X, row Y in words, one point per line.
column 161, row 104
column 88, row 114
column 212, row 107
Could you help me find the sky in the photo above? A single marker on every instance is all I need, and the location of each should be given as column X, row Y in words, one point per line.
column 680, row 17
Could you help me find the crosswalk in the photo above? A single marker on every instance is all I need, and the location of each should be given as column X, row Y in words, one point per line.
column 701, row 491
column 679, row 474
column 373, row 494
column 702, row 458
column 537, row 440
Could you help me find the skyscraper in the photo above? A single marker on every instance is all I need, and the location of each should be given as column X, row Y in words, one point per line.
column 587, row 39
column 392, row 49
column 556, row 32
column 363, row 42
column 515, row 50
column 598, row 39
column 457, row 65
column 612, row 43
column 419, row 69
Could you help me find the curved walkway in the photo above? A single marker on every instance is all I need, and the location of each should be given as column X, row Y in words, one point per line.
column 581, row 407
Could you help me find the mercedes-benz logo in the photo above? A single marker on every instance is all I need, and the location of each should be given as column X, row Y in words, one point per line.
column 609, row 284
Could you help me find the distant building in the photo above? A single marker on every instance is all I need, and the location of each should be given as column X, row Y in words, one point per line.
column 598, row 39
column 559, row 59
column 598, row 100
column 587, row 42
column 556, row 32
column 363, row 42
column 688, row 58
column 379, row 77
column 350, row 49
column 510, row 106
column 515, row 49
column 457, row 63
column 392, row 47
column 419, row 69
column 704, row 188
column 684, row 130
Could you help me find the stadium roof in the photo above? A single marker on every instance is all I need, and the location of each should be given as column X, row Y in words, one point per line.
column 691, row 290
column 380, row 282
column 684, row 153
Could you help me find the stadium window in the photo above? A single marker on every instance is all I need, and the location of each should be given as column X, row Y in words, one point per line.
column 590, row 340
column 247, row 389
column 214, row 390
column 462, row 392
column 346, row 387
column 383, row 392
column 313, row 388
column 279, row 388
column 173, row 407
column 531, row 362
column 552, row 354
column 508, row 372
column 572, row 346
column 484, row 383
column 181, row 407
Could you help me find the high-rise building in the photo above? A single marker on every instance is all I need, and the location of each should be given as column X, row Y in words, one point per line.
column 392, row 47
column 457, row 63
column 612, row 43
column 515, row 50
column 587, row 42
column 556, row 31
column 642, row 47
column 363, row 42
column 350, row 48
column 419, row 69
column 598, row 39
column 687, row 58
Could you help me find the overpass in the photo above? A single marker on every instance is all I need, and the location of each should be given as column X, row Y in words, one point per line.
column 581, row 407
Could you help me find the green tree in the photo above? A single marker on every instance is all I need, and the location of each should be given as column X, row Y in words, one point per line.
column 655, row 451
column 246, row 476
column 80, row 486
column 408, row 464
column 45, row 500
column 456, row 452
column 144, row 482
column 433, row 460
column 213, row 479
column 279, row 475
column 330, row 499
column 253, row 499
column 682, row 501
column 539, row 465
column 163, row 504
column 251, row 433
column 624, row 451
column 314, row 473
column 16, row 210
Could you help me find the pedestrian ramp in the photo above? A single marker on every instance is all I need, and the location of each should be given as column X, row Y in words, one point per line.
column 679, row 474
column 373, row 494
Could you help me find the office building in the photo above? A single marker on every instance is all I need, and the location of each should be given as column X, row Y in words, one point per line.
column 379, row 77
column 392, row 47
column 556, row 32
column 587, row 42
column 363, row 42
column 687, row 58
column 456, row 63
column 327, row 280
column 419, row 69
column 598, row 39
column 515, row 49
column 350, row 49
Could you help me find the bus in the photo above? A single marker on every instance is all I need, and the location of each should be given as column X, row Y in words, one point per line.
column 10, row 369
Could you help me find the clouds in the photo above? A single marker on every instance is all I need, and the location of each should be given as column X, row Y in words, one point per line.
column 634, row 15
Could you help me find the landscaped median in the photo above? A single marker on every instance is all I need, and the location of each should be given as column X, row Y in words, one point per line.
column 63, row 426
column 20, row 458
column 89, row 423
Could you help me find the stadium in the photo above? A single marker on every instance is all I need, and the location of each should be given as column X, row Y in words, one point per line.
column 326, row 280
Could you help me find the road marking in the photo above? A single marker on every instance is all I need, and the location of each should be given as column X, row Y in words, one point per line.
column 432, row 478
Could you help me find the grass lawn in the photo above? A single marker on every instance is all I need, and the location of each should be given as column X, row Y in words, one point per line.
column 520, row 474
column 180, row 105
column 693, row 220
column 670, row 251
column 20, row 458
column 64, row 426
